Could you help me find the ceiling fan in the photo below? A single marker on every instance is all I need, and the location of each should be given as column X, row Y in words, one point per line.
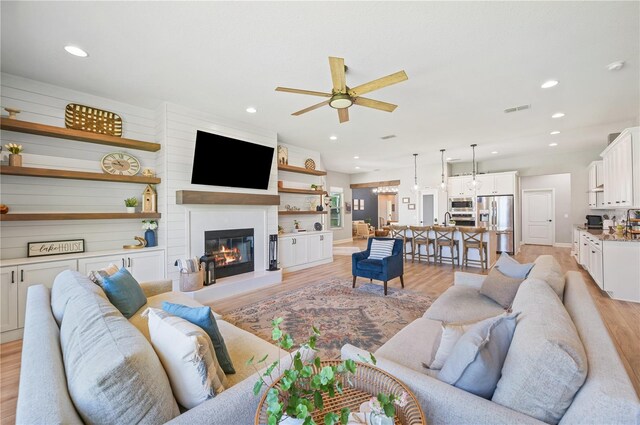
column 342, row 97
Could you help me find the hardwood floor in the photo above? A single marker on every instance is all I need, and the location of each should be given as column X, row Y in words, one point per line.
column 621, row 318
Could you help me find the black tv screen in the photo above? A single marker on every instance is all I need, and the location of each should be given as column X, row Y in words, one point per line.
column 223, row 161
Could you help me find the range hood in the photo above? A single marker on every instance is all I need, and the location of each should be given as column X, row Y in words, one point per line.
column 599, row 188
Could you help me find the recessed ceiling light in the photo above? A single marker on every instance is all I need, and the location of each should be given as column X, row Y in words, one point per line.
column 557, row 115
column 494, row 152
column 251, row 110
column 356, row 157
column 448, row 159
column 333, row 137
column 76, row 51
column 549, row 84
column 553, row 144
column 615, row 66
column 357, row 168
column 553, row 133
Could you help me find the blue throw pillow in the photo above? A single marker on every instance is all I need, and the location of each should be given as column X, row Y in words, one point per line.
column 124, row 292
column 510, row 267
column 203, row 317
column 475, row 363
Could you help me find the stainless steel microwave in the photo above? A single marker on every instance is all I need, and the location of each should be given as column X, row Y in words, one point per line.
column 461, row 205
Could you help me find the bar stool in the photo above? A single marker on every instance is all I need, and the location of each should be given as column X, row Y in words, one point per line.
column 400, row 232
column 473, row 238
column 421, row 238
column 445, row 237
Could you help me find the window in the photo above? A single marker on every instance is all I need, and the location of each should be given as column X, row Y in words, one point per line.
column 335, row 208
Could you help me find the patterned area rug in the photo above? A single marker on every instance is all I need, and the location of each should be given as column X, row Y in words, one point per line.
column 363, row 316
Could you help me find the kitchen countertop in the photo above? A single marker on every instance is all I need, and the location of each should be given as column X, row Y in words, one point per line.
column 607, row 235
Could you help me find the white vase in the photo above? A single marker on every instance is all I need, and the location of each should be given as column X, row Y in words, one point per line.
column 131, row 210
column 291, row 421
column 375, row 419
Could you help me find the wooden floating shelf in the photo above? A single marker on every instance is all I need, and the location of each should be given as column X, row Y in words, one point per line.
column 74, row 175
column 285, row 212
column 224, row 198
column 301, row 191
column 77, row 135
column 301, row 170
column 76, row 216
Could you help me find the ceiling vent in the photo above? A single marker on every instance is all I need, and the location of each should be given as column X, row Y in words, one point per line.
column 517, row 108
column 390, row 136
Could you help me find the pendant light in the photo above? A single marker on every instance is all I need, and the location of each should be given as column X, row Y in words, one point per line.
column 474, row 183
column 443, row 185
column 415, row 172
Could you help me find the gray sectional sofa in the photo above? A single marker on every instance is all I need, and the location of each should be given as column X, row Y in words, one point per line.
column 79, row 350
column 560, row 346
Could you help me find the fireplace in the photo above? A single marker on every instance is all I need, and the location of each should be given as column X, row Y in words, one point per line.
column 231, row 251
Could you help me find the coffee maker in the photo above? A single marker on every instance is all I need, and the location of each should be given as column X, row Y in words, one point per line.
column 208, row 263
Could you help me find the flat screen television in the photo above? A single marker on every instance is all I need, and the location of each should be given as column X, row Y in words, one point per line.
column 224, row 161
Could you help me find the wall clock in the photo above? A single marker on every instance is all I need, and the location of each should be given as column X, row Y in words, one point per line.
column 120, row 163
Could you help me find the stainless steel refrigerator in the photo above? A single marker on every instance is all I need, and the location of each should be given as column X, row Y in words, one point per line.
column 496, row 213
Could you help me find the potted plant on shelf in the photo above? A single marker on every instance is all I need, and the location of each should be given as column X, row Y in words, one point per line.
column 150, row 227
column 15, row 159
column 131, row 204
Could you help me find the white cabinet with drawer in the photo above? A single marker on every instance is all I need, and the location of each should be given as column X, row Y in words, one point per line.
column 297, row 251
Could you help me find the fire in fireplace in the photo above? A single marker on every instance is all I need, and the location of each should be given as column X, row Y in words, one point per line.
column 230, row 251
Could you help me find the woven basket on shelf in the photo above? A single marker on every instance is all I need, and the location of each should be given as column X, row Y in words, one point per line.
column 191, row 281
column 367, row 382
column 86, row 118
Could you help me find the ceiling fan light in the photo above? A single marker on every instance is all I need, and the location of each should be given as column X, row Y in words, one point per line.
column 340, row 101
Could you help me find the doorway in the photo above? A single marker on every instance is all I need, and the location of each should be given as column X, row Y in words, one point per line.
column 428, row 207
column 538, row 212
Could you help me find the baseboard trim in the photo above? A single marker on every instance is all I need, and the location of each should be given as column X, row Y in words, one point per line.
column 563, row 245
column 339, row 241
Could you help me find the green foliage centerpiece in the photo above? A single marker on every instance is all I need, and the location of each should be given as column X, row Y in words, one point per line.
column 303, row 384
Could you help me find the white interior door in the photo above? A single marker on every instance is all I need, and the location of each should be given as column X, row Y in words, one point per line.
column 537, row 217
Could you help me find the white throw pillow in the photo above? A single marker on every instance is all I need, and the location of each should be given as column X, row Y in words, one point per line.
column 381, row 249
column 188, row 357
column 451, row 333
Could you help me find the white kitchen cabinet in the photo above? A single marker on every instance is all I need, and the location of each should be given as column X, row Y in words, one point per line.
column 36, row 274
column 583, row 257
column 8, row 298
column 299, row 251
column 595, row 261
column 143, row 265
column 459, row 186
column 596, row 198
column 575, row 250
column 496, row 184
column 621, row 270
column 621, row 168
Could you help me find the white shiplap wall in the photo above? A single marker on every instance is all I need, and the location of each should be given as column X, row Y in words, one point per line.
column 44, row 103
column 176, row 130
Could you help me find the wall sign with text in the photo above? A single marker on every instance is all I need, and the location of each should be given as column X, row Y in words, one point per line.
column 40, row 249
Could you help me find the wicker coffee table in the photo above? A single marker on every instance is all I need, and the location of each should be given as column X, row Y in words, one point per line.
column 367, row 382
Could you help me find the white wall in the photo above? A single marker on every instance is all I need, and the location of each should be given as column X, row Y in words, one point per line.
column 336, row 179
column 575, row 164
column 561, row 183
column 176, row 129
column 428, row 178
column 44, row 103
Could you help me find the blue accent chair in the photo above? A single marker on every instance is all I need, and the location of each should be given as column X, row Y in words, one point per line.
column 384, row 270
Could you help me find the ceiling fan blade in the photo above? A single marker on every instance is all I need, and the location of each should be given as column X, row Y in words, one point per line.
column 298, row 91
column 311, row 108
column 378, row 84
column 375, row 104
column 337, row 74
column 343, row 115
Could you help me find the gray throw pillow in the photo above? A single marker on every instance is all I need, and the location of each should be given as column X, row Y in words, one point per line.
column 500, row 287
column 475, row 365
column 512, row 268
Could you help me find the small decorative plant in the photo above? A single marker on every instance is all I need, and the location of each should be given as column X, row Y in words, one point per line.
column 384, row 406
column 280, row 229
column 296, row 224
column 304, row 383
column 149, row 224
column 13, row 148
column 131, row 202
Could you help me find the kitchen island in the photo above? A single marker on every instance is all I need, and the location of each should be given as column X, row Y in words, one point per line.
column 490, row 238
